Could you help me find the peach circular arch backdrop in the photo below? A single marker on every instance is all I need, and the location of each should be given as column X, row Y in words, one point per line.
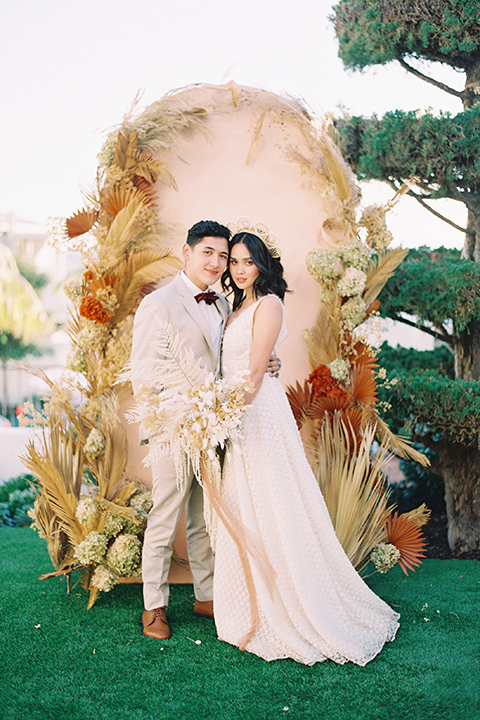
column 253, row 160
column 259, row 156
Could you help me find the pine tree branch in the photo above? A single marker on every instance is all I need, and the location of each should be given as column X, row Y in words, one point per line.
column 443, row 337
column 425, row 205
column 432, row 81
column 422, row 202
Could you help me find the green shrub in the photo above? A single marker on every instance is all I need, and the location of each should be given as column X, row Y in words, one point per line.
column 16, row 498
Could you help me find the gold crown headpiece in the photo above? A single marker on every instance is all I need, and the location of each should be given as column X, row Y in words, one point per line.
column 244, row 224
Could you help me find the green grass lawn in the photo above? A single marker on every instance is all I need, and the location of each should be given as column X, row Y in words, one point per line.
column 59, row 661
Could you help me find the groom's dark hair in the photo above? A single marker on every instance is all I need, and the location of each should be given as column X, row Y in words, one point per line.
column 206, row 228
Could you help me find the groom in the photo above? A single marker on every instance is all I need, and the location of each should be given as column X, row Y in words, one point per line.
column 198, row 315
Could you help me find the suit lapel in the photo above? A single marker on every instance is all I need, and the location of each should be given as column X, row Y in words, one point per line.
column 191, row 306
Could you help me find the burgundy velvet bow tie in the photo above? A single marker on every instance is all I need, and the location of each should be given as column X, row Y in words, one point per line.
column 209, row 297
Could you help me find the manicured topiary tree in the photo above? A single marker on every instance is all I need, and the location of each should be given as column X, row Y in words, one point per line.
column 436, row 291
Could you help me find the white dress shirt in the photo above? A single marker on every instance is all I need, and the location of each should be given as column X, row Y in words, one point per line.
column 210, row 312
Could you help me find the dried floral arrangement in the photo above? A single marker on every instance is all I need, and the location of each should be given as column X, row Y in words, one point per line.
column 337, row 408
column 91, row 515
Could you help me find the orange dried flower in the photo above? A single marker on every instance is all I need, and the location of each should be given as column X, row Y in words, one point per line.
column 324, row 385
column 92, row 309
column 408, row 538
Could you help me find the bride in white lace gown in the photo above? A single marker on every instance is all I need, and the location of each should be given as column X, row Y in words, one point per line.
column 320, row 608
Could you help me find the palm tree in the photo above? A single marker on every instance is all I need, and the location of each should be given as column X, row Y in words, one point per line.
column 23, row 318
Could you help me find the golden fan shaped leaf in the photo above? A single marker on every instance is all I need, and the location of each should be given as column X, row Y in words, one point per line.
column 348, row 478
column 300, row 399
column 362, row 384
column 81, row 222
column 346, row 411
column 140, row 268
column 148, row 190
column 118, row 198
column 408, row 539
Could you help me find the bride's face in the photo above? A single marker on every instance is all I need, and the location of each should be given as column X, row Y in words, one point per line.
column 243, row 270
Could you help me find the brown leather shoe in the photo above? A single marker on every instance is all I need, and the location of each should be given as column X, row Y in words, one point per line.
column 203, row 609
column 155, row 624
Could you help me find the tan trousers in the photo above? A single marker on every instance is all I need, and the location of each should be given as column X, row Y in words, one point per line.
column 168, row 504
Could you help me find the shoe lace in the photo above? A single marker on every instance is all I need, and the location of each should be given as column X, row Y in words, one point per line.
column 160, row 613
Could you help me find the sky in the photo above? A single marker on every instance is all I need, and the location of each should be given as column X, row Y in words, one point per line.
column 72, row 68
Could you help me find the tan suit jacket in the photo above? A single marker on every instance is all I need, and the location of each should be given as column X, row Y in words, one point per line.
column 175, row 304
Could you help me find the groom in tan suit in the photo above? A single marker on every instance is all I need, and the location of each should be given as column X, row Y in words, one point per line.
column 198, row 315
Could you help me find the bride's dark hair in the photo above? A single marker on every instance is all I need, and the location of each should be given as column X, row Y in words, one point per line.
column 270, row 279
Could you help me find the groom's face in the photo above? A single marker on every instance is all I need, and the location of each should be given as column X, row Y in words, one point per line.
column 206, row 261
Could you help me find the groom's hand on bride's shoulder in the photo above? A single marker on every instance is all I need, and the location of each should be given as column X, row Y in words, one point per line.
column 274, row 365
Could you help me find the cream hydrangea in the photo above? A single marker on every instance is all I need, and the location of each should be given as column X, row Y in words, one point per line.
column 113, row 525
column 352, row 282
column 87, row 509
column 353, row 313
column 124, row 555
column 103, row 578
column 384, row 556
column 141, row 504
column 322, row 265
column 340, row 370
column 95, row 444
column 355, row 255
column 92, row 550
column 379, row 236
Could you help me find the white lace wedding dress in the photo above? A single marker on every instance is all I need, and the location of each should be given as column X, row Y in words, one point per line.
column 321, row 608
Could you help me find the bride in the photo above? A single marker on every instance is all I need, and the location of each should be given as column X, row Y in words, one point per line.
column 320, row 608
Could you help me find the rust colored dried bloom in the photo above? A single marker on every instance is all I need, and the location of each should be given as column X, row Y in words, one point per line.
column 92, row 309
column 324, row 385
column 408, row 538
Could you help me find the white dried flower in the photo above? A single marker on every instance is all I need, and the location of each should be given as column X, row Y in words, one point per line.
column 93, row 336
column 92, row 549
column 379, row 236
column 77, row 361
column 73, row 290
column 352, row 282
column 384, row 556
column 106, row 296
column 371, row 331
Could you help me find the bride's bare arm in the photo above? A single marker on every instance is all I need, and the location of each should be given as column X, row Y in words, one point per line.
column 267, row 322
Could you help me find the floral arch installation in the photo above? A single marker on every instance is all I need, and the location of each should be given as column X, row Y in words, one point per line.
column 220, row 152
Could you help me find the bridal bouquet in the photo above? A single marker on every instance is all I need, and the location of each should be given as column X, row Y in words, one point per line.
column 183, row 408
column 186, row 411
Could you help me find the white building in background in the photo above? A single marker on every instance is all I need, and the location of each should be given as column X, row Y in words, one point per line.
column 28, row 241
